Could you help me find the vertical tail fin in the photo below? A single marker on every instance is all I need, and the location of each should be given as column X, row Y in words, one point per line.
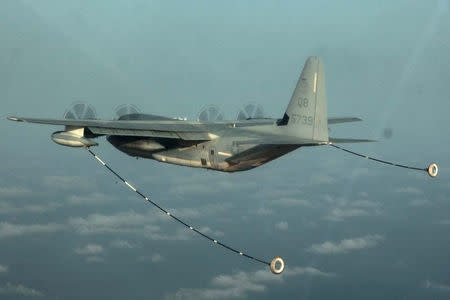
column 306, row 114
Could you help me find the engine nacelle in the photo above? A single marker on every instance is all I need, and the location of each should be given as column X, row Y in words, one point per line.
column 72, row 139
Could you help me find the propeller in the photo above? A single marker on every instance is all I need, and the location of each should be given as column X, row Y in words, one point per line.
column 250, row 111
column 210, row 113
column 80, row 111
column 122, row 111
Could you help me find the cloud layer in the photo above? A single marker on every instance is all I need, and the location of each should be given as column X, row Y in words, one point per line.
column 3, row 269
column 13, row 230
column 346, row 245
column 19, row 289
column 239, row 284
column 89, row 249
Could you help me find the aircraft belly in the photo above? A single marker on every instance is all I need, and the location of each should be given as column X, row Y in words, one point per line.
column 225, row 154
column 192, row 157
column 135, row 146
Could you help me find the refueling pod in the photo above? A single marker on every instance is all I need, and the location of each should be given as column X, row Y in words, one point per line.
column 72, row 138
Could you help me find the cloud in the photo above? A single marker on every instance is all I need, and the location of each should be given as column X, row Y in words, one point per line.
column 444, row 222
column 9, row 209
column 262, row 211
column 127, row 222
column 124, row 222
column 207, row 230
column 95, row 259
column 190, row 213
column 436, row 286
column 3, row 269
column 208, row 209
column 157, row 258
column 13, row 191
column 192, row 189
column 122, row 244
column 154, row 233
column 67, row 182
column 201, row 185
column 366, row 204
column 363, row 194
column 282, row 225
column 307, row 271
column 343, row 207
column 91, row 199
column 89, row 249
column 154, row 258
column 134, row 223
column 13, row 230
column 239, row 284
column 320, row 179
column 344, row 202
column 338, row 214
column 409, row 190
column 290, row 202
column 420, row 202
column 358, row 172
column 283, row 190
column 19, row 289
column 346, row 245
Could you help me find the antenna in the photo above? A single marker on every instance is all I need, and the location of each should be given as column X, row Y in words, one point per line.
column 432, row 168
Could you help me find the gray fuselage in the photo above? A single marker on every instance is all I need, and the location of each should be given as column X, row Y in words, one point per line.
column 213, row 154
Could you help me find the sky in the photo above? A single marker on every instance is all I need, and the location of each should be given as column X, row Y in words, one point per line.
column 346, row 227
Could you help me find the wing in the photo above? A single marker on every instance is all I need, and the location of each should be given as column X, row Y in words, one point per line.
column 332, row 121
column 170, row 128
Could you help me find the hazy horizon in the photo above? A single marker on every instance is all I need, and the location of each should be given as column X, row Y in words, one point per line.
column 347, row 228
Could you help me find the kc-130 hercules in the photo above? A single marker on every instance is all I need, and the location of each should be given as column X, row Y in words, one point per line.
column 227, row 146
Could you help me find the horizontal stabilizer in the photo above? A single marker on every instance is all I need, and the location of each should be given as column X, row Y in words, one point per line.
column 342, row 120
column 342, row 141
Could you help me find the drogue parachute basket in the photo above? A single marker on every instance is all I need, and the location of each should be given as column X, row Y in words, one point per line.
column 277, row 265
column 433, row 170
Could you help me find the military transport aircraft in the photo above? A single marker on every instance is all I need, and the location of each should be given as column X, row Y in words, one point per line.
column 228, row 146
